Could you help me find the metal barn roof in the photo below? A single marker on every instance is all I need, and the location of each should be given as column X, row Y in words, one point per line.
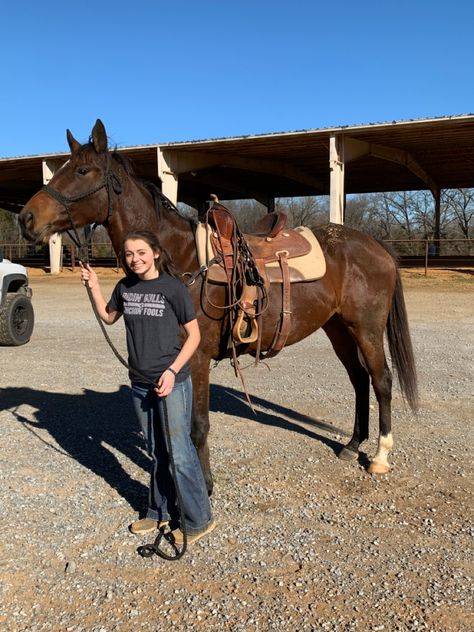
column 398, row 155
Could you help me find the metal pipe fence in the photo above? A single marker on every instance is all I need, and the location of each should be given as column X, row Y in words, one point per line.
column 433, row 253
column 411, row 253
column 37, row 256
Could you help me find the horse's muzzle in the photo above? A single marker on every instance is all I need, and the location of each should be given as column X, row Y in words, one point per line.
column 27, row 222
column 26, row 219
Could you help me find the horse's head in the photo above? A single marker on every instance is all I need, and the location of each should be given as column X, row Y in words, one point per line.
column 78, row 194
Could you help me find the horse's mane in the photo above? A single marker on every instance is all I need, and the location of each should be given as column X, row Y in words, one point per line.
column 125, row 163
column 159, row 199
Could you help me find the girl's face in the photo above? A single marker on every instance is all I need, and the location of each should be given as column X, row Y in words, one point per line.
column 140, row 258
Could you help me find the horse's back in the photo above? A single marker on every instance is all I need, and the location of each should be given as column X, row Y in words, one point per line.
column 346, row 247
column 360, row 272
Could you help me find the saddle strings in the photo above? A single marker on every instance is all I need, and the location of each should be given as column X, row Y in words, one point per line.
column 243, row 266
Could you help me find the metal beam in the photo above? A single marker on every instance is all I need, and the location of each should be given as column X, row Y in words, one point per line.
column 230, row 185
column 356, row 148
column 437, row 226
column 179, row 162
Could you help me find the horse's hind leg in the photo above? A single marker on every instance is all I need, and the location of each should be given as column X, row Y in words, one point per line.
column 346, row 350
column 371, row 346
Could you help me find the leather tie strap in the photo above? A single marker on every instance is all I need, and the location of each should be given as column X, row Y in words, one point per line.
column 281, row 335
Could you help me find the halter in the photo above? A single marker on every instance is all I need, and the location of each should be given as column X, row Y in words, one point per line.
column 110, row 182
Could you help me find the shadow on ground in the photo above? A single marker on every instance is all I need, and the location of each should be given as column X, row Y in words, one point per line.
column 233, row 403
column 84, row 425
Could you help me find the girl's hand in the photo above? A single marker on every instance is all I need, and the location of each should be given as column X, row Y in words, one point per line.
column 165, row 384
column 88, row 276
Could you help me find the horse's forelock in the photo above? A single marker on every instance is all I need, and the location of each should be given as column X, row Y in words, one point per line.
column 86, row 153
column 83, row 154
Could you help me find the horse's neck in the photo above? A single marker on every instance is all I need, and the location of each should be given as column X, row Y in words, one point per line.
column 135, row 210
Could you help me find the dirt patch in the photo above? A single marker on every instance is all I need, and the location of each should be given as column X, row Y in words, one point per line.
column 305, row 541
column 448, row 280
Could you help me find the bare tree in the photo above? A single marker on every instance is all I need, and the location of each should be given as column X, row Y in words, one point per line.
column 246, row 212
column 304, row 211
column 362, row 212
column 460, row 205
column 9, row 230
column 422, row 213
column 398, row 207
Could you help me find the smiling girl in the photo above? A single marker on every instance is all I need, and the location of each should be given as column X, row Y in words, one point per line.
column 155, row 305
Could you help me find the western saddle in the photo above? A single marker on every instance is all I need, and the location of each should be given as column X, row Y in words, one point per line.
column 244, row 260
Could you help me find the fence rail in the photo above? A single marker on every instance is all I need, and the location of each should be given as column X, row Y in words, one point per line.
column 433, row 253
column 411, row 252
column 33, row 256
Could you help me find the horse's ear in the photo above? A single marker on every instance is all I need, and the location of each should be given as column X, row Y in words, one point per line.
column 99, row 137
column 72, row 142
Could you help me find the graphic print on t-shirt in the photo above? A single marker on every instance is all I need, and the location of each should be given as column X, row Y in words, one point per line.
column 138, row 304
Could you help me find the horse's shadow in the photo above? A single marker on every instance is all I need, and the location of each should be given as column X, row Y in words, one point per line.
column 89, row 427
column 232, row 402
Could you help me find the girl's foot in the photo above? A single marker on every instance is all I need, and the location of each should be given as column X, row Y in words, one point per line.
column 146, row 525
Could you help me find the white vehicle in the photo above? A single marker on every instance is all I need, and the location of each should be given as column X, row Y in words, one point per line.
column 17, row 317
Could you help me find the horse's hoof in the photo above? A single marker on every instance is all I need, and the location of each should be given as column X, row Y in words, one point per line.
column 378, row 468
column 348, row 455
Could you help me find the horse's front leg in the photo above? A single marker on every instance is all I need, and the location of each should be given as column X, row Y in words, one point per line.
column 200, row 420
column 346, row 350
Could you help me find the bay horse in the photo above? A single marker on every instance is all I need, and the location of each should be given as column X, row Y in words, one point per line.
column 359, row 299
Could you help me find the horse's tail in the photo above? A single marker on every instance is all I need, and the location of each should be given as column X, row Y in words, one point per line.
column 399, row 344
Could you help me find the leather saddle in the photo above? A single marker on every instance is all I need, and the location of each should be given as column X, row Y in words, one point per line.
column 248, row 263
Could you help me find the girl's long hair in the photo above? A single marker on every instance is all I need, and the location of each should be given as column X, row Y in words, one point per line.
column 164, row 262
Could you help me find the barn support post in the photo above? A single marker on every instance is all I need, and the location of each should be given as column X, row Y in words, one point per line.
column 437, row 226
column 56, row 240
column 336, row 167
column 168, row 177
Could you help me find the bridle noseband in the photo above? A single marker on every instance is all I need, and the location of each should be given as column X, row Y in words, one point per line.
column 111, row 182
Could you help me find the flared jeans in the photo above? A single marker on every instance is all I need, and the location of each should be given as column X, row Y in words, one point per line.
column 152, row 412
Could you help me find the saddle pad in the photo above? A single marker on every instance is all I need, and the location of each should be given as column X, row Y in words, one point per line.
column 308, row 267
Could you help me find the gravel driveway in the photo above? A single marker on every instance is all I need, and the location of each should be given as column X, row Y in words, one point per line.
column 305, row 541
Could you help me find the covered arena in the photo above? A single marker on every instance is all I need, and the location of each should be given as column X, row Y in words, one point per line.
column 424, row 154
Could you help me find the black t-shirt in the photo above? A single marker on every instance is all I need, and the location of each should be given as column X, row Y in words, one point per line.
column 153, row 312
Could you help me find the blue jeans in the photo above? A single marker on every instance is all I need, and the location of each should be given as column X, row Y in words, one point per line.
column 163, row 503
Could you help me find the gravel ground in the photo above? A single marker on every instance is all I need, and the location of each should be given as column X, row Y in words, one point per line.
column 305, row 541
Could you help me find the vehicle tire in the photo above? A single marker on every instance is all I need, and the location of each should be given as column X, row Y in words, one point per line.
column 17, row 320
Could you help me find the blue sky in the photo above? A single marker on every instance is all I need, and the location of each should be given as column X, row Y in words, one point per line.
column 158, row 71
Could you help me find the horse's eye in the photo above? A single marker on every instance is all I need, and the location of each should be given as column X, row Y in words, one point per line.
column 82, row 171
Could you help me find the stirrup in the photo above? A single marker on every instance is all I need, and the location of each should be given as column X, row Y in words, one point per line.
column 241, row 325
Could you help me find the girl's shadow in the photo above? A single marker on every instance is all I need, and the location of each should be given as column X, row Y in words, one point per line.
column 84, row 428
